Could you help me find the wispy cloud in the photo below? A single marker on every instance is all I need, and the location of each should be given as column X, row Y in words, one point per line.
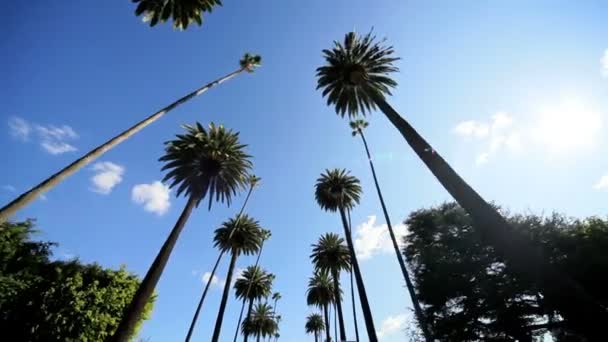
column 472, row 129
column 53, row 139
column 9, row 188
column 107, row 176
column 372, row 239
column 154, row 197
column 602, row 183
column 393, row 324
column 19, row 128
column 604, row 63
column 215, row 281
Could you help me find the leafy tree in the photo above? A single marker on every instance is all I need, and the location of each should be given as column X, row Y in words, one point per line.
column 44, row 300
column 356, row 80
column 337, row 190
column 247, row 63
column 254, row 284
column 331, row 254
column 242, row 237
column 202, row 162
column 320, row 293
column 469, row 291
column 183, row 12
column 314, row 325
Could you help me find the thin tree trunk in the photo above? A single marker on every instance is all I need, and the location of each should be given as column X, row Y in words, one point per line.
column 249, row 309
column 258, row 339
column 406, row 276
column 336, row 276
column 24, row 199
column 133, row 312
column 220, row 314
column 316, row 336
column 327, row 326
column 219, row 258
column 367, row 312
column 588, row 318
column 335, row 324
column 352, row 288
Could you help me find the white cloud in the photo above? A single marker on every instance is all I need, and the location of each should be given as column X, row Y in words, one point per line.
column 19, row 128
column 601, row 184
column 9, row 188
column 604, row 63
column 215, row 281
column 107, row 176
column 473, row 129
column 154, row 197
column 393, row 324
column 57, row 147
column 372, row 239
column 482, row 158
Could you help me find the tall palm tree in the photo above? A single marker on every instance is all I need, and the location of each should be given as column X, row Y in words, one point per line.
column 242, row 237
column 356, row 80
column 276, row 297
column 331, row 254
column 337, row 190
column 265, row 236
column 352, row 287
column 320, row 293
column 357, row 127
column 202, row 162
column 248, row 63
column 314, row 325
column 254, row 284
column 253, row 181
column 183, row 12
column 261, row 323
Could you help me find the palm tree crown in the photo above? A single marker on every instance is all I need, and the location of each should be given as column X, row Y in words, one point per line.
column 184, row 12
column 356, row 73
column 330, row 253
column 358, row 126
column 239, row 236
column 320, row 289
column 261, row 323
column 314, row 324
column 207, row 162
column 250, row 61
column 257, row 280
column 336, row 189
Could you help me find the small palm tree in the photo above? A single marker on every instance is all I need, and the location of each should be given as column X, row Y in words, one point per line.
column 276, row 297
column 320, row 293
column 248, row 63
column 254, row 284
column 331, row 254
column 183, row 12
column 253, row 181
column 242, row 237
column 337, row 190
column 314, row 325
column 261, row 323
column 202, row 163
column 357, row 127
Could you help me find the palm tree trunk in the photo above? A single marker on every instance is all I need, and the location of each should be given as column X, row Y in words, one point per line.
column 249, row 309
column 220, row 314
column 352, row 295
column 316, row 336
column 327, row 326
column 133, row 312
column 336, row 276
column 258, row 339
column 521, row 254
column 406, row 276
column 335, row 324
column 24, row 199
column 219, row 258
column 367, row 312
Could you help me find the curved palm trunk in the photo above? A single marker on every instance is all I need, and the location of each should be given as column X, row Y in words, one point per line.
column 327, row 326
column 24, row 199
column 338, row 305
column 220, row 314
column 406, row 276
column 367, row 312
column 525, row 257
column 133, row 312
column 352, row 295
column 219, row 258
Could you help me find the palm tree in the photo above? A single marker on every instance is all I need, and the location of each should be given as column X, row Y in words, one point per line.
column 352, row 297
column 357, row 127
column 248, row 63
column 254, row 284
column 276, row 296
column 355, row 79
column 253, row 181
column 261, row 323
column 321, row 294
column 265, row 236
column 331, row 254
column 242, row 237
column 337, row 190
column 184, row 12
column 202, row 162
column 314, row 325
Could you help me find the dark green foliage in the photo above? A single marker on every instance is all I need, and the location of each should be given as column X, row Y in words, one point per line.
column 261, row 323
column 183, row 12
column 250, row 61
column 469, row 292
column 44, row 300
column 337, row 189
column 255, row 280
column 314, row 324
column 320, row 289
column 331, row 254
column 239, row 235
column 356, row 73
column 207, row 162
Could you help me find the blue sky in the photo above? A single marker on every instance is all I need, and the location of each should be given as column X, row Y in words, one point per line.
column 512, row 94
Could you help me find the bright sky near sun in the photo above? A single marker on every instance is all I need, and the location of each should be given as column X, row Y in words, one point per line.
column 513, row 95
